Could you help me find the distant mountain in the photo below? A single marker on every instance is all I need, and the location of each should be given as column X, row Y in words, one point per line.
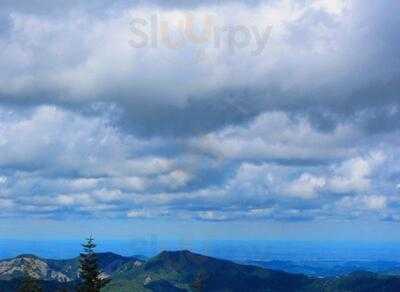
column 186, row 271
column 358, row 282
column 57, row 270
column 34, row 267
column 180, row 271
column 330, row 268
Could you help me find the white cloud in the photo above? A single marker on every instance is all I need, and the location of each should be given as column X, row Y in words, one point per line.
column 3, row 180
column 284, row 135
column 175, row 179
column 375, row 202
column 306, row 186
column 370, row 202
column 146, row 214
column 307, row 55
column 274, row 135
column 335, row 7
column 83, row 183
column 212, row 216
column 354, row 175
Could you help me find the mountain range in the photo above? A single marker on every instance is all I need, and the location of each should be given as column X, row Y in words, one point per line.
column 332, row 268
column 172, row 271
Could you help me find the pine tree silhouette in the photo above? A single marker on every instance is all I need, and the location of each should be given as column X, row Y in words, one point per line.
column 90, row 273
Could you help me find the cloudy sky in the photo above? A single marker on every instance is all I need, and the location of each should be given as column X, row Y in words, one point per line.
column 258, row 119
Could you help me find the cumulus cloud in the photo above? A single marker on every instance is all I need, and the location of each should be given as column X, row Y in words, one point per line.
column 274, row 136
column 75, row 165
column 306, row 186
column 316, row 63
column 372, row 202
column 305, row 129
column 356, row 174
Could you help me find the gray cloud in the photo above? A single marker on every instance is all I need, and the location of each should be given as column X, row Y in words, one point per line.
column 320, row 62
column 94, row 127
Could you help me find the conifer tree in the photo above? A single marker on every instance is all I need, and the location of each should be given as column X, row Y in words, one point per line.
column 30, row 284
column 90, row 273
column 199, row 282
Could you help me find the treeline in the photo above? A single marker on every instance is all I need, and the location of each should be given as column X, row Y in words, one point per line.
column 91, row 278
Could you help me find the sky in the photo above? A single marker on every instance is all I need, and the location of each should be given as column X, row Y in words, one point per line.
column 200, row 119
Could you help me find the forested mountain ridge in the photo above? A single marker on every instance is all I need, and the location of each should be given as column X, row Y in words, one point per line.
column 183, row 271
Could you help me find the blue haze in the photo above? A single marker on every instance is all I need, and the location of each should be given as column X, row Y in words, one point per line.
column 233, row 250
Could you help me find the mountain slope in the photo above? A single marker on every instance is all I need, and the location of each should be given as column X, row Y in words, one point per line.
column 57, row 270
column 183, row 269
column 186, row 271
column 30, row 265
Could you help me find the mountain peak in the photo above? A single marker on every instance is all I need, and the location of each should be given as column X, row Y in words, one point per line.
column 183, row 260
column 178, row 253
column 182, row 256
column 30, row 256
